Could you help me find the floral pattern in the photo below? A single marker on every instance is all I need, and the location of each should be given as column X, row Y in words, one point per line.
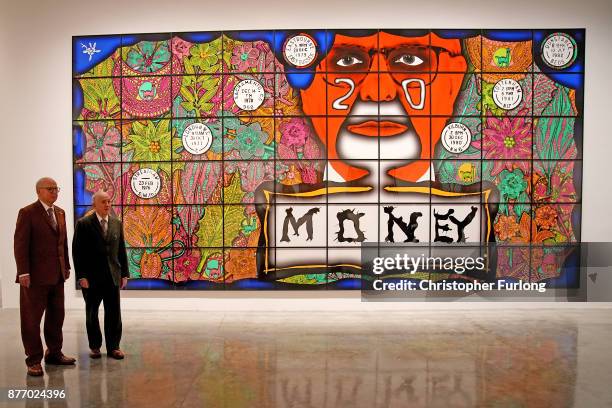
column 294, row 133
column 150, row 142
column 245, row 57
column 148, row 228
column 185, row 267
column 506, row 227
column 203, row 224
column 205, row 56
column 103, row 142
column 506, row 140
column 148, row 57
column 180, row 47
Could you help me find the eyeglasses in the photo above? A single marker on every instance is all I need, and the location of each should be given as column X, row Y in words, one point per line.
column 52, row 189
column 405, row 62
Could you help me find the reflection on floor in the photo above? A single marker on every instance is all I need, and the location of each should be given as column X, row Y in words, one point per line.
column 513, row 358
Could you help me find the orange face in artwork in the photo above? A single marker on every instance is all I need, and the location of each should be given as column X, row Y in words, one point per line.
column 372, row 98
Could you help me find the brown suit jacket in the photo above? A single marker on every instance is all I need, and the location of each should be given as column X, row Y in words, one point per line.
column 39, row 249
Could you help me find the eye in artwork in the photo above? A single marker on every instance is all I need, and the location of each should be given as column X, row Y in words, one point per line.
column 272, row 159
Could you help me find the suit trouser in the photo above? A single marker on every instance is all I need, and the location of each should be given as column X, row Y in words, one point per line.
column 109, row 294
column 33, row 302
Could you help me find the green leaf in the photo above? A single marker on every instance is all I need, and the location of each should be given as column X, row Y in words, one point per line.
column 519, row 209
column 503, row 208
column 139, row 141
column 211, row 229
column 103, row 69
column 554, row 135
column 233, row 193
column 188, row 66
column 188, row 81
column 234, row 214
column 99, row 94
column 205, row 253
column 138, row 128
column 487, row 103
column 163, row 127
column 187, row 95
column 188, row 106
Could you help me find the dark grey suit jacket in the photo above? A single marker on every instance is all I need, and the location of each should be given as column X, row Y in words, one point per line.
column 95, row 257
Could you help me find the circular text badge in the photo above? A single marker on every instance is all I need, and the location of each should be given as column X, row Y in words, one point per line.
column 559, row 50
column 456, row 137
column 249, row 94
column 197, row 138
column 300, row 50
column 145, row 183
column 507, row 94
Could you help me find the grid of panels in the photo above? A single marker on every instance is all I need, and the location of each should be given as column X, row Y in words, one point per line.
column 284, row 141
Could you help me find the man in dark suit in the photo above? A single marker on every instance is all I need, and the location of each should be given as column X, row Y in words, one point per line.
column 41, row 254
column 100, row 262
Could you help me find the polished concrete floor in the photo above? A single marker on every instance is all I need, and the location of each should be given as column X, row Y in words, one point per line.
column 471, row 358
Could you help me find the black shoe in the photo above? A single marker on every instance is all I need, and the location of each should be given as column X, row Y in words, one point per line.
column 117, row 354
column 35, row 370
column 60, row 359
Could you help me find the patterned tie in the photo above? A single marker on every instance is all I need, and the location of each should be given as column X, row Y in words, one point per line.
column 52, row 219
column 104, row 227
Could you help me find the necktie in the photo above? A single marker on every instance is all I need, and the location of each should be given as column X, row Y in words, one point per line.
column 104, row 227
column 52, row 218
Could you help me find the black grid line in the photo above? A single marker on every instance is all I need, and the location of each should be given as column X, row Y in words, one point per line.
column 326, row 159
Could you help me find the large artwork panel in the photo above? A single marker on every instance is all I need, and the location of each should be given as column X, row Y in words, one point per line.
column 269, row 159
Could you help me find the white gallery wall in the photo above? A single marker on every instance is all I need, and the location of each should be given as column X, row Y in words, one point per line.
column 35, row 103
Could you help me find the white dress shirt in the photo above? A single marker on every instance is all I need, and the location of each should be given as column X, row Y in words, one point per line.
column 47, row 210
column 103, row 218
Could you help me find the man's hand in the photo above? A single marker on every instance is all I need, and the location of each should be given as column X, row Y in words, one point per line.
column 84, row 283
column 24, row 281
column 123, row 282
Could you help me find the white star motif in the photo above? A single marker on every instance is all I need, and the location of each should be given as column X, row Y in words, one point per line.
column 91, row 50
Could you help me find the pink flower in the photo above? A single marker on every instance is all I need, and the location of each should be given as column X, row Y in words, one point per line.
column 244, row 57
column 540, row 189
column 309, row 176
column 224, row 97
column 294, row 132
column 513, row 262
column 186, row 265
column 103, row 142
column 560, row 189
column 562, row 184
column 180, row 47
column 506, row 139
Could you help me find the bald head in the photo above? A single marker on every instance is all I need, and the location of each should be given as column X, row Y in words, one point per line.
column 100, row 195
column 47, row 190
column 101, row 203
column 45, row 182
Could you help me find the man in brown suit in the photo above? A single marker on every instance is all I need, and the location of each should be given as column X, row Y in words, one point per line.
column 41, row 254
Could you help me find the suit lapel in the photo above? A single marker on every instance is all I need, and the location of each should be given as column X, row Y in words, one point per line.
column 45, row 216
column 59, row 219
column 96, row 224
column 113, row 228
